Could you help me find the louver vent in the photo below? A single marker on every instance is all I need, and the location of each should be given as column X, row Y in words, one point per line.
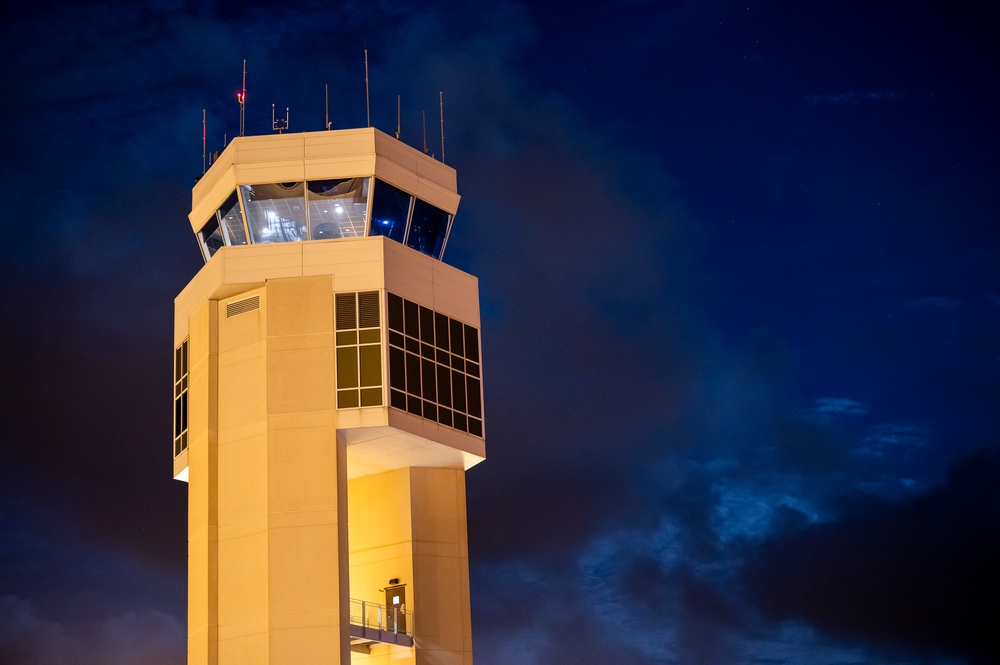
column 368, row 309
column 347, row 316
column 242, row 306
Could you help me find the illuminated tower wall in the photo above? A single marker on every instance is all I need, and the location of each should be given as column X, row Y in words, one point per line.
column 328, row 400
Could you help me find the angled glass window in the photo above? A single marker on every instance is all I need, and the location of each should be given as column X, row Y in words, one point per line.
column 390, row 211
column 232, row 221
column 337, row 208
column 275, row 212
column 210, row 238
column 428, row 229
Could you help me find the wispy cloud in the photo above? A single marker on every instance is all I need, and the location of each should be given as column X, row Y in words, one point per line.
column 889, row 439
column 827, row 408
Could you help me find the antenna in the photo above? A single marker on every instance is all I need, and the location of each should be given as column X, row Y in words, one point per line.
column 423, row 120
column 327, row 87
column 279, row 125
column 398, row 121
column 368, row 107
column 441, row 101
column 204, row 138
column 242, row 96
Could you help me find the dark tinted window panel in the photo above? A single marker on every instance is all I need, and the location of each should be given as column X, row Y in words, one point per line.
column 443, row 357
column 396, row 339
column 412, row 374
column 371, row 397
column 397, row 369
column 371, row 336
column 371, row 366
column 178, row 415
column 426, row 325
column 395, row 312
column 347, row 367
column 413, row 405
column 397, row 400
column 411, row 319
column 427, row 351
column 430, row 410
column 444, row 416
column 475, row 403
column 460, row 422
column 441, row 323
column 475, row 427
column 347, row 399
column 444, row 385
column 429, row 380
column 471, row 343
column 428, row 229
column 472, row 368
column 412, row 345
column 457, row 363
column 457, row 337
column 390, row 208
column 458, row 391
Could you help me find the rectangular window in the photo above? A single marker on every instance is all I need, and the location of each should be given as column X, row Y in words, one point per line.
column 359, row 349
column 181, row 398
column 434, row 366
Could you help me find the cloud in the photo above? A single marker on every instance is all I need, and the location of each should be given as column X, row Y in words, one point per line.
column 919, row 575
column 146, row 636
column 838, row 406
column 892, row 439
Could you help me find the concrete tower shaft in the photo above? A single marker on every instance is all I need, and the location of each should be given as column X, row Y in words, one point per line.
column 328, row 400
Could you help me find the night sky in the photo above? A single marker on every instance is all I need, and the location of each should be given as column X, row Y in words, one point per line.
column 740, row 276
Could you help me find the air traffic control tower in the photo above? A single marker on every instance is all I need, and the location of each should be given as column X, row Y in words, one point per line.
column 328, row 401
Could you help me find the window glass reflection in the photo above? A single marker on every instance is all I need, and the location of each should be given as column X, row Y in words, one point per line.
column 337, row 208
column 210, row 237
column 275, row 212
column 427, row 229
column 390, row 209
column 232, row 221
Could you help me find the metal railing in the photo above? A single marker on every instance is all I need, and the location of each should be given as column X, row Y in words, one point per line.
column 379, row 617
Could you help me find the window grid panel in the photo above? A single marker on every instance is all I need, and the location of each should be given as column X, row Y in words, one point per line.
column 434, row 368
column 358, row 342
column 181, row 398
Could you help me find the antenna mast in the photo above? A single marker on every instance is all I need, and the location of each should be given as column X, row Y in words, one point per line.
column 398, row 121
column 242, row 96
column 423, row 120
column 279, row 125
column 441, row 102
column 327, row 87
column 204, row 138
column 368, row 107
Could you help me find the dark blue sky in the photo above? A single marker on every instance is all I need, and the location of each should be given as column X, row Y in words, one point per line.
column 740, row 273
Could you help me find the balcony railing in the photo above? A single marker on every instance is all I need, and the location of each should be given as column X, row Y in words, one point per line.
column 371, row 622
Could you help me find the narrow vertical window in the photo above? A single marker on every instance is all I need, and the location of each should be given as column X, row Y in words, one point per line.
column 359, row 349
column 181, row 398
